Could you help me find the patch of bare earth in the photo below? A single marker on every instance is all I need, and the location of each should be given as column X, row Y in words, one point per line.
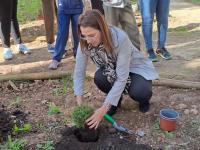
column 34, row 97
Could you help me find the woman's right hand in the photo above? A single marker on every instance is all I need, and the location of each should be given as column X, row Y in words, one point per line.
column 79, row 100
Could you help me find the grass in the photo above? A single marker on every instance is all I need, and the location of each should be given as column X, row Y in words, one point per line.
column 53, row 109
column 47, row 145
column 179, row 29
column 67, row 83
column 14, row 103
column 26, row 128
column 17, row 144
column 28, row 10
column 196, row 1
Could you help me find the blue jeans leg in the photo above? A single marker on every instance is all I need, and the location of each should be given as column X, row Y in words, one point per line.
column 148, row 7
column 62, row 36
column 162, row 13
column 74, row 19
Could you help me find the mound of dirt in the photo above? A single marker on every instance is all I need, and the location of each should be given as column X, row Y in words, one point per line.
column 106, row 141
column 6, row 124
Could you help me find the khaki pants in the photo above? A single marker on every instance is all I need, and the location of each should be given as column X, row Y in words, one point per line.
column 48, row 7
column 124, row 18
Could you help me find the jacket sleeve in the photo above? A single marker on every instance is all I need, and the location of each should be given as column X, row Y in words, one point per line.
column 79, row 72
column 122, row 71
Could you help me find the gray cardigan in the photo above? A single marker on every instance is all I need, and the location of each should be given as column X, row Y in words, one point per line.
column 129, row 59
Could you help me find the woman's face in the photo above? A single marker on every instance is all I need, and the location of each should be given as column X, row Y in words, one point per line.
column 91, row 35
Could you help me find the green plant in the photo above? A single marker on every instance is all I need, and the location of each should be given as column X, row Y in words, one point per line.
column 48, row 145
column 26, row 128
column 169, row 134
column 17, row 144
column 53, row 109
column 80, row 114
column 28, row 10
column 156, row 125
column 15, row 102
column 60, row 91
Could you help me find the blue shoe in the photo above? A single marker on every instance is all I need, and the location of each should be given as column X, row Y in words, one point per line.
column 7, row 54
column 152, row 56
column 51, row 48
column 164, row 53
column 23, row 49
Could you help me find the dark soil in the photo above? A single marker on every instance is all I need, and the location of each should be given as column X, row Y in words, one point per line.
column 6, row 124
column 106, row 141
column 8, row 119
column 86, row 134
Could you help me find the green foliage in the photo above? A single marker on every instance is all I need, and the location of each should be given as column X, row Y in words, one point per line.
column 59, row 91
column 48, row 145
column 14, row 103
column 156, row 125
column 80, row 114
column 196, row 124
column 179, row 29
column 133, row 1
column 26, row 128
column 17, row 144
column 67, row 83
column 28, row 10
column 169, row 134
column 53, row 109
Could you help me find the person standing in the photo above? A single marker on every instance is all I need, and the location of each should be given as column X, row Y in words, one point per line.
column 49, row 13
column 9, row 24
column 161, row 8
column 97, row 4
column 120, row 13
column 68, row 10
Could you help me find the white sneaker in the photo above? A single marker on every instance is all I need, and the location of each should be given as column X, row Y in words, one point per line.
column 54, row 65
column 7, row 54
column 23, row 49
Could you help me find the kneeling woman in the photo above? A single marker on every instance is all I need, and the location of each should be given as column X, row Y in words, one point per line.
column 122, row 69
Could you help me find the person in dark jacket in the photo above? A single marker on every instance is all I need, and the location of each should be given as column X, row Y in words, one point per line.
column 68, row 10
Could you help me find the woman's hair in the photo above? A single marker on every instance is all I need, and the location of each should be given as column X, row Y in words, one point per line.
column 94, row 19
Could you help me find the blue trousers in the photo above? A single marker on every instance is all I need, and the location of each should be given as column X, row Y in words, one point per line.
column 148, row 8
column 63, row 34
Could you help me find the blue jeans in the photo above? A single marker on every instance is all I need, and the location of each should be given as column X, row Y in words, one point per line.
column 148, row 8
column 63, row 34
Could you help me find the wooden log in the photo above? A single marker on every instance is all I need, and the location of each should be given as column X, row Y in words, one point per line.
column 177, row 83
column 35, row 76
column 59, row 74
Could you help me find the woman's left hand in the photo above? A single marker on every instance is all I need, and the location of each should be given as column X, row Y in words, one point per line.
column 95, row 119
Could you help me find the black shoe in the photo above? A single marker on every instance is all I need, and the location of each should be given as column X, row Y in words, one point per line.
column 144, row 107
column 113, row 109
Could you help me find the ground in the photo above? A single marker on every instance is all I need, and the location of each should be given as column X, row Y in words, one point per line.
column 33, row 97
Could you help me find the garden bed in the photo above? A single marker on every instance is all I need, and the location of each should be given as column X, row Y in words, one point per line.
column 47, row 105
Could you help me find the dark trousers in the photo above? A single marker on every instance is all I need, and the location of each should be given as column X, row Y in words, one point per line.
column 97, row 4
column 9, row 22
column 140, row 89
column 63, row 34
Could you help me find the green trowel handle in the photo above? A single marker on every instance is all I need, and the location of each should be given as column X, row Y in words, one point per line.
column 109, row 118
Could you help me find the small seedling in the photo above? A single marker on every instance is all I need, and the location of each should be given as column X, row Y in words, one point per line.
column 156, row 125
column 16, row 102
column 169, row 134
column 48, row 145
column 196, row 124
column 11, row 144
column 59, row 91
column 53, row 109
column 26, row 128
column 80, row 114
